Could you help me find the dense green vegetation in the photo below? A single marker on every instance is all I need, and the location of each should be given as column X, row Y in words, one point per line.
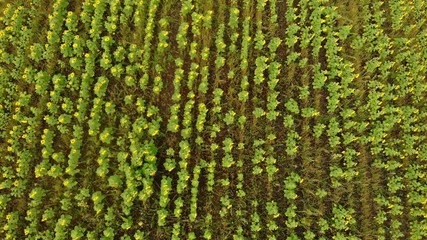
column 226, row 119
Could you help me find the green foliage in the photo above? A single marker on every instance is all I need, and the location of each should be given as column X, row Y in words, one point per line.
column 229, row 117
column 145, row 120
column 261, row 66
column 309, row 112
column 115, row 181
column 292, row 106
column 258, row 112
